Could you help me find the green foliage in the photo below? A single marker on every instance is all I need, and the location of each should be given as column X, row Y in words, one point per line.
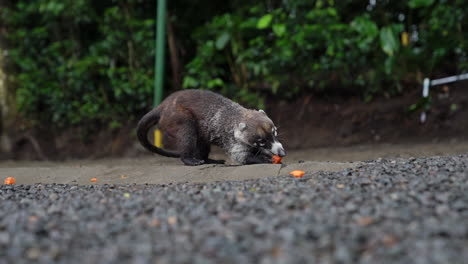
column 264, row 21
column 292, row 47
column 80, row 61
column 91, row 62
column 389, row 40
column 423, row 104
column 420, row 3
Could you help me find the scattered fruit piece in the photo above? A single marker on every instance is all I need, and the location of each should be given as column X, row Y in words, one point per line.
column 94, row 180
column 297, row 173
column 10, row 180
column 126, row 195
column 33, row 219
column 155, row 223
column 389, row 240
column 365, row 221
column 240, row 197
column 172, row 220
column 276, row 159
column 340, row 186
column 224, row 216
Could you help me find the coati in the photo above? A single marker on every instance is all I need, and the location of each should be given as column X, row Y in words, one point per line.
column 195, row 119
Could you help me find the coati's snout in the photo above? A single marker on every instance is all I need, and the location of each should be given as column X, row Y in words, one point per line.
column 277, row 149
column 259, row 132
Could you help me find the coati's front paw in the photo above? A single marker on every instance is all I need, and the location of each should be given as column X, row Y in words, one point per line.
column 192, row 161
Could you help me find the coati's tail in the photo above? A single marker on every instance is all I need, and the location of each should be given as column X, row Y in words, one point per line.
column 146, row 122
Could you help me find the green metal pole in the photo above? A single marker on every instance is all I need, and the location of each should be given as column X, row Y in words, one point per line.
column 159, row 63
column 159, row 60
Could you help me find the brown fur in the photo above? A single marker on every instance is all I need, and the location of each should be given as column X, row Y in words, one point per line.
column 195, row 119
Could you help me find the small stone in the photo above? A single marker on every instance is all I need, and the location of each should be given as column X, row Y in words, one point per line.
column 33, row 253
column 4, row 238
column 53, row 209
column 53, row 196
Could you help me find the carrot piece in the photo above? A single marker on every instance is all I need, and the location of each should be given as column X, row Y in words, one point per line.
column 297, row 173
column 276, row 159
column 10, row 180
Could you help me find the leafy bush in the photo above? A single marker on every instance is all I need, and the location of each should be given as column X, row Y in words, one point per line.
column 290, row 47
column 89, row 62
column 82, row 61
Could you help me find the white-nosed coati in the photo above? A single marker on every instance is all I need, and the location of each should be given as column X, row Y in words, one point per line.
column 198, row 118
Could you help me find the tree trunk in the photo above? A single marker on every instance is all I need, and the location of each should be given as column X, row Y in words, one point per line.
column 174, row 54
column 7, row 100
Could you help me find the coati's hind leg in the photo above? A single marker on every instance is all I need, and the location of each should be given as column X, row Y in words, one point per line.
column 205, row 150
column 189, row 153
column 193, row 149
column 187, row 142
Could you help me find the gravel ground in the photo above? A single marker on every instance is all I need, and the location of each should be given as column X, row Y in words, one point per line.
column 384, row 211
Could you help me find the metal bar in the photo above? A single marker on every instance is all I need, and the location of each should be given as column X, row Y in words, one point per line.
column 449, row 79
column 159, row 60
column 159, row 63
column 428, row 83
column 425, row 93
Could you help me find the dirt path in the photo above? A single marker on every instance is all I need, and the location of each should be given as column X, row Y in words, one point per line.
column 153, row 172
column 157, row 170
column 375, row 151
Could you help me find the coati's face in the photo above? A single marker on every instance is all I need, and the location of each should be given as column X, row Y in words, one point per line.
column 259, row 132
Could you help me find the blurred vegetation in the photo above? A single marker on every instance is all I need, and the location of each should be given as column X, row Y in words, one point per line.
column 89, row 62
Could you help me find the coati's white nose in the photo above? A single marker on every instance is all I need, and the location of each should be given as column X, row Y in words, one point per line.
column 278, row 149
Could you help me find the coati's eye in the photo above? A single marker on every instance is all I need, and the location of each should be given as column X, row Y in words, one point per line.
column 274, row 131
column 260, row 142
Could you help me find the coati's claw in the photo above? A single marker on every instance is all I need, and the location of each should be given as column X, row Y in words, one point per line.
column 192, row 161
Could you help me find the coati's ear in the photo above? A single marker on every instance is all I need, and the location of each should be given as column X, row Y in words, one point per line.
column 261, row 111
column 242, row 126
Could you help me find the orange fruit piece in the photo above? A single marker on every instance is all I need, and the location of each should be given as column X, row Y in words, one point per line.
column 297, row 173
column 94, row 180
column 276, row 159
column 10, row 180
